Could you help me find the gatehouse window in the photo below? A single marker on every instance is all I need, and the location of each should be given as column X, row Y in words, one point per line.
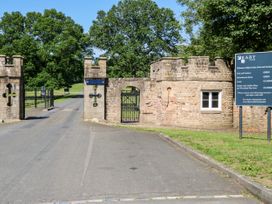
column 211, row 100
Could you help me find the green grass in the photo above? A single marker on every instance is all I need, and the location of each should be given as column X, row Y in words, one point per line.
column 75, row 90
column 30, row 102
column 251, row 156
column 60, row 95
column 77, row 87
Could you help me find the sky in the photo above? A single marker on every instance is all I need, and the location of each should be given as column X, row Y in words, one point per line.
column 82, row 12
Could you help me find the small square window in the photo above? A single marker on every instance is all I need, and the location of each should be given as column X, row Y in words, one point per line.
column 211, row 100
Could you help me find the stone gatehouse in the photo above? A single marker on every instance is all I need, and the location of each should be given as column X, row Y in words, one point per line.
column 195, row 94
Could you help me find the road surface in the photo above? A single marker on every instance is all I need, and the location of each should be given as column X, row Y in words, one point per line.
column 57, row 158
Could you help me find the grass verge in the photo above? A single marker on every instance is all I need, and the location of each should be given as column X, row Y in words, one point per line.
column 251, row 156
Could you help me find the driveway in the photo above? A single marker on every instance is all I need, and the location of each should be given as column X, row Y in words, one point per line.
column 57, row 158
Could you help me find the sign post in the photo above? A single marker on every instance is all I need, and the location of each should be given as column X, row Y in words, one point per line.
column 269, row 124
column 241, row 122
column 253, row 82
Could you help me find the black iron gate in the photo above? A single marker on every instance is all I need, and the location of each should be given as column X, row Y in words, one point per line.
column 39, row 98
column 130, row 105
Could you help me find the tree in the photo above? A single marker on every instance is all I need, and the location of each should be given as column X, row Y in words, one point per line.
column 228, row 27
column 63, row 43
column 133, row 34
column 14, row 40
column 52, row 44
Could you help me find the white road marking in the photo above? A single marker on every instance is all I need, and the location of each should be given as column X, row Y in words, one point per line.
column 88, row 155
column 189, row 197
column 162, row 198
column 127, row 199
column 221, row 196
column 236, row 196
column 205, row 197
column 87, row 201
column 174, row 197
column 159, row 198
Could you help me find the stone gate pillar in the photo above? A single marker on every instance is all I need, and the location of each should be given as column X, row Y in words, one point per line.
column 11, row 89
column 95, row 80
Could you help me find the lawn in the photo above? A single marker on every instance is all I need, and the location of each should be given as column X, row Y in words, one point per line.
column 30, row 99
column 59, row 94
column 251, row 156
column 74, row 91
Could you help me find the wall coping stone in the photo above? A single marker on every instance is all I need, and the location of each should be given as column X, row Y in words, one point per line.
column 167, row 58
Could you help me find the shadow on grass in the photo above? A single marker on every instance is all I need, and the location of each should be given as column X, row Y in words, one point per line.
column 254, row 138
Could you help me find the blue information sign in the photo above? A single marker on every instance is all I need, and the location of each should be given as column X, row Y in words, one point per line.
column 95, row 81
column 253, row 79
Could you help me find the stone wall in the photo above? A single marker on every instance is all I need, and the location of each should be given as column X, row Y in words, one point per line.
column 172, row 95
column 113, row 95
column 173, row 103
column 178, row 103
column 11, row 105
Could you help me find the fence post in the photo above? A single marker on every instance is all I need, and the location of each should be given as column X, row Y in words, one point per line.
column 241, row 122
column 45, row 96
column 35, row 95
column 52, row 98
column 48, row 98
column 269, row 124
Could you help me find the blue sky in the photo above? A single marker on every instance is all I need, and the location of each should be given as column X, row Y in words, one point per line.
column 82, row 11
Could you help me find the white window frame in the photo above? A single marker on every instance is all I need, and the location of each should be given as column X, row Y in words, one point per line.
column 210, row 108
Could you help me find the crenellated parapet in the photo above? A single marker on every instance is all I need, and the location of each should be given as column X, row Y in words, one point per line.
column 95, row 71
column 198, row 68
column 11, row 67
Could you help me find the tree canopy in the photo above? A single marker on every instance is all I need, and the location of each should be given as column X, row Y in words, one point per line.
column 227, row 27
column 52, row 44
column 134, row 33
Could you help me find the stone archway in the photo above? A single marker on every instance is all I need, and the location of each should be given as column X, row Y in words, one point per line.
column 130, row 105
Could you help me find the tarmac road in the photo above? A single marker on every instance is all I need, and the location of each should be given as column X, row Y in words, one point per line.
column 58, row 158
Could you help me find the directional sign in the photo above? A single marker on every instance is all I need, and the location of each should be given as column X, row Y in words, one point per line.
column 253, row 79
column 95, row 81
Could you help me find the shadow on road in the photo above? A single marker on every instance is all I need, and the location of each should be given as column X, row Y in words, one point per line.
column 69, row 96
column 36, row 117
